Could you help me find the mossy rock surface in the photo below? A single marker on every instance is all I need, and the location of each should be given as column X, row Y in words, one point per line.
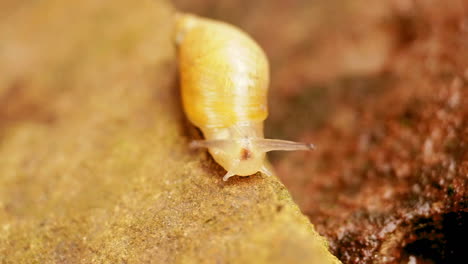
column 94, row 158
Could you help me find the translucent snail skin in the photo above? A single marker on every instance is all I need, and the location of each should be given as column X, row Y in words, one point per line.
column 224, row 80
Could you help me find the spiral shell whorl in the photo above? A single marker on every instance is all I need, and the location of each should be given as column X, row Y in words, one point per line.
column 224, row 74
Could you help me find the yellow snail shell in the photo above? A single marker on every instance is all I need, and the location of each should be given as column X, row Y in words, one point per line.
column 224, row 80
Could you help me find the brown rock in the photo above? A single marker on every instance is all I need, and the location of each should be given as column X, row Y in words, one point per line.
column 94, row 158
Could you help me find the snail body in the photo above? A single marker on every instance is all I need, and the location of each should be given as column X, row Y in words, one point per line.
column 224, row 78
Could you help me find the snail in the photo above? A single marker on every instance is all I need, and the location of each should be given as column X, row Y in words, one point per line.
column 224, row 77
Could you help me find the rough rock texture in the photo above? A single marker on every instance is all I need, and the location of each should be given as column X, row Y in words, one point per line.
column 94, row 164
column 381, row 87
column 389, row 180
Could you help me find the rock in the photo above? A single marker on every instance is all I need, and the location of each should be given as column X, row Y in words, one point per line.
column 94, row 163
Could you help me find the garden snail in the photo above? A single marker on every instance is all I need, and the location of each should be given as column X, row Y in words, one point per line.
column 224, row 80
